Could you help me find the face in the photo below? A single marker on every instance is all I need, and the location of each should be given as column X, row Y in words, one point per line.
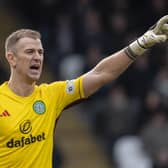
column 28, row 59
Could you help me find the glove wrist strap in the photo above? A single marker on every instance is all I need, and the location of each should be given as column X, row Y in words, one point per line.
column 137, row 48
column 134, row 50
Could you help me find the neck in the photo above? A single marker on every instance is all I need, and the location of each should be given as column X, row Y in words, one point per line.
column 21, row 88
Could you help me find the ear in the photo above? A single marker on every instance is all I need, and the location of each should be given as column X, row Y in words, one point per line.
column 11, row 58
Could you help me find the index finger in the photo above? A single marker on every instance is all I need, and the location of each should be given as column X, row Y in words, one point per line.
column 160, row 23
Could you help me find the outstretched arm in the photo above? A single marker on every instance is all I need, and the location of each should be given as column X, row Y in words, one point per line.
column 105, row 71
column 112, row 66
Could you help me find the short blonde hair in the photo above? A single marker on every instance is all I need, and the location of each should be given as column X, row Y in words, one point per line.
column 14, row 37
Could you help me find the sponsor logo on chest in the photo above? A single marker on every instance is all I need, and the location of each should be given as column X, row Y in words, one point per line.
column 25, row 128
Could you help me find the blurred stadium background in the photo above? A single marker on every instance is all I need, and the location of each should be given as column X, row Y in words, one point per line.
column 125, row 124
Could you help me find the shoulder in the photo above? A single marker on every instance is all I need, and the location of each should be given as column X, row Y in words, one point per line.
column 66, row 85
column 3, row 86
column 51, row 85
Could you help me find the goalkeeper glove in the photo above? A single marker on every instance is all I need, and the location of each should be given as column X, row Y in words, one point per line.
column 156, row 34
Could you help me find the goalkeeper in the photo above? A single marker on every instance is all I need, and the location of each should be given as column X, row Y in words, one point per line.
column 29, row 112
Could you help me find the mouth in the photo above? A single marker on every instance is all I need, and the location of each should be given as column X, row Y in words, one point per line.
column 35, row 67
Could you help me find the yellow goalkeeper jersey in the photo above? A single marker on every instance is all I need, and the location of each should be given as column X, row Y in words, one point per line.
column 27, row 123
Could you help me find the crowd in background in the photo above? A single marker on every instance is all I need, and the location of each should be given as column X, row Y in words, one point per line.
column 130, row 115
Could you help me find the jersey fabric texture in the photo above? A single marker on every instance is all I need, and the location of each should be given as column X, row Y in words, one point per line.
column 27, row 123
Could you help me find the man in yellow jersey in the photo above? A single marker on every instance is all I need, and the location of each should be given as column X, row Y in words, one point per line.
column 28, row 112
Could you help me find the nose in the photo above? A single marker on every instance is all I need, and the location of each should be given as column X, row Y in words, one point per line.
column 37, row 56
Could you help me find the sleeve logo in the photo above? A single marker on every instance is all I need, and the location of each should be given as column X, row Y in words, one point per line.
column 70, row 87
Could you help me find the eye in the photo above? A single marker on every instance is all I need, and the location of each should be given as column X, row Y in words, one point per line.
column 41, row 52
column 29, row 51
